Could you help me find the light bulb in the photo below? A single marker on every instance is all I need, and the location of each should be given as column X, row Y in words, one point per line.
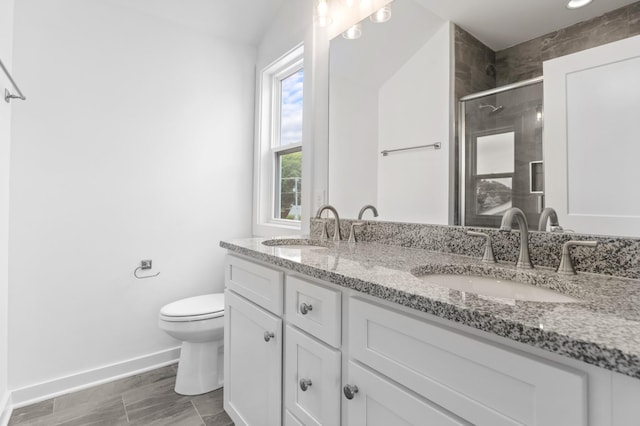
column 322, row 16
column 353, row 32
column 575, row 4
column 381, row 15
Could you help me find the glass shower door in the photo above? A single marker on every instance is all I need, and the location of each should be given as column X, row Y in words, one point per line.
column 502, row 152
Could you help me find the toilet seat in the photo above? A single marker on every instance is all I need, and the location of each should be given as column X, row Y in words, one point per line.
column 196, row 308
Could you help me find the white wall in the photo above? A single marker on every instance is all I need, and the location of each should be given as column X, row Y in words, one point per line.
column 135, row 143
column 353, row 151
column 6, row 30
column 413, row 186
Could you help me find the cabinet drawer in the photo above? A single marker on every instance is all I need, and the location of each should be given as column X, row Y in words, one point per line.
column 379, row 402
column 315, row 309
column 481, row 382
column 311, row 380
column 257, row 283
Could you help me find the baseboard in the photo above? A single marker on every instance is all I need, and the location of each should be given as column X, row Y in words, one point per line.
column 86, row 379
column 5, row 409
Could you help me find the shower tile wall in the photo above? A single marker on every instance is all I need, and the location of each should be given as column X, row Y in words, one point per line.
column 524, row 60
column 475, row 65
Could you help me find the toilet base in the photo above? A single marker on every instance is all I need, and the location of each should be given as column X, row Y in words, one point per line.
column 200, row 369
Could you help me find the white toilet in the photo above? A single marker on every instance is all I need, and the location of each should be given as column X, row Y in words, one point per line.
column 199, row 323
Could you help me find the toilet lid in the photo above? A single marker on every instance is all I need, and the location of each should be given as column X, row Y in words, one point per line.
column 207, row 305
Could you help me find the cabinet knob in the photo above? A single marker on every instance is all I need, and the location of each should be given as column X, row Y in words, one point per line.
column 304, row 308
column 268, row 335
column 350, row 391
column 305, row 384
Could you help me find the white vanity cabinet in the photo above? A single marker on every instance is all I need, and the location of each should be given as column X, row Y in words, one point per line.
column 399, row 366
column 252, row 344
column 481, row 383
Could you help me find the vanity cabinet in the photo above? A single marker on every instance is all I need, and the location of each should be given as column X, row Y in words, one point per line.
column 481, row 383
column 399, row 366
column 253, row 344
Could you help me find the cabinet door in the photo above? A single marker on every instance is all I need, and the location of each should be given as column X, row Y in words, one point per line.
column 312, row 379
column 379, row 402
column 252, row 363
column 483, row 383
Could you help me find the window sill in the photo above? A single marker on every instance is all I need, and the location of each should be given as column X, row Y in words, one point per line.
column 274, row 229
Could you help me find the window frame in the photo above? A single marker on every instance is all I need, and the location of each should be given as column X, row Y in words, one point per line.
column 268, row 148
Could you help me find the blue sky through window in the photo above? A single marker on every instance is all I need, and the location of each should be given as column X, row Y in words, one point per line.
column 291, row 109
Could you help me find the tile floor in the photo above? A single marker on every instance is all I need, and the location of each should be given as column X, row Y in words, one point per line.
column 145, row 399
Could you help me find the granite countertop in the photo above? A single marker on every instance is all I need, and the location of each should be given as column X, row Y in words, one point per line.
column 602, row 329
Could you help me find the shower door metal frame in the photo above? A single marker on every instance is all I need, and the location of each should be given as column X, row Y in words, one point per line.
column 463, row 140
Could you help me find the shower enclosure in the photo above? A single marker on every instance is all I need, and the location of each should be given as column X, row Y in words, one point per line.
column 501, row 154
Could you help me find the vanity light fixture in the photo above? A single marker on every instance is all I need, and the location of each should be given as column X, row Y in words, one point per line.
column 575, row 4
column 322, row 13
column 381, row 15
column 353, row 32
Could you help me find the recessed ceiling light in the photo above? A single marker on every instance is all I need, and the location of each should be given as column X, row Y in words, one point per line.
column 575, row 4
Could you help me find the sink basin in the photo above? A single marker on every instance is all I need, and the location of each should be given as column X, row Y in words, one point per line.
column 297, row 243
column 497, row 288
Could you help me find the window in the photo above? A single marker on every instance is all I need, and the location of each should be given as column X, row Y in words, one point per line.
column 279, row 144
column 288, row 145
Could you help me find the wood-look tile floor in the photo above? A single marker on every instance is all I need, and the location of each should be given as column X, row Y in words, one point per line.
column 145, row 399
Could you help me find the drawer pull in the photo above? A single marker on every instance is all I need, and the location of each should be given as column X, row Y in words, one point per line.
column 268, row 335
column 305, row 384
column 304, row 308
column 350, row 391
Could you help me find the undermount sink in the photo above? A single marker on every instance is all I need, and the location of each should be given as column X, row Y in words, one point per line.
column 497, row 288
column 297, row 243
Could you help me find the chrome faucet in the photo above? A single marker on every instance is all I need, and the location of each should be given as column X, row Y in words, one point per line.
column 336, row 233
column 549, row 214
column 524, row 260
column 365, row 208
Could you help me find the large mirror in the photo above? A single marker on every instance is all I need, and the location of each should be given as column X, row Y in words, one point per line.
column 389, row 91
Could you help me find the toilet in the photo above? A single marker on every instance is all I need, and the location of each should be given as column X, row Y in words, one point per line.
column 199, row 323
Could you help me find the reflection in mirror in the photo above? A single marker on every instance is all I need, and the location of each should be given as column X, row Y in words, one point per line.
column 502, row 138
column 386, row 93
column 495, row 153
column 393, row 88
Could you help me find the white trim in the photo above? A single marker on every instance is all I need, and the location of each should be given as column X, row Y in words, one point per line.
column 264, row 222
column 5, row 410
column 89, row 378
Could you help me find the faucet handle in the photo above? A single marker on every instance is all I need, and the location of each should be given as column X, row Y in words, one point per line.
column 352, row 234
column 488, row 256
column 566, row 264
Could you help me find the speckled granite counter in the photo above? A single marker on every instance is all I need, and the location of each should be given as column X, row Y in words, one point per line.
column 603, row 329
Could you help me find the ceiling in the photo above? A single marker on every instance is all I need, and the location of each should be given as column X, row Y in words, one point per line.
column 497, row 23
column 503, row 23
column 383, row 48
column 243, row 21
